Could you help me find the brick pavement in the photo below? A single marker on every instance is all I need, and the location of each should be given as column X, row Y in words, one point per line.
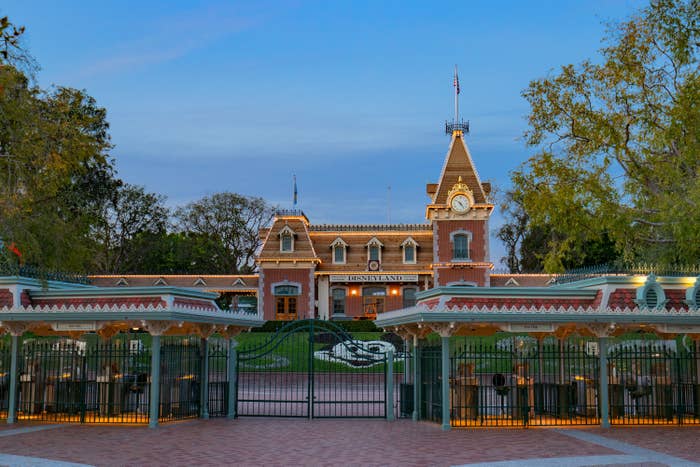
column 676, row 441
column 255, row 441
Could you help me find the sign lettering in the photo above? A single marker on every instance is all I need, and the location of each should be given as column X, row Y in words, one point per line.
column 529, row 327
column 374, row 278
column 74, row 326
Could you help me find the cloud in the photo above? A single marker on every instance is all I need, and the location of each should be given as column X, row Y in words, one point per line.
column 172, row 37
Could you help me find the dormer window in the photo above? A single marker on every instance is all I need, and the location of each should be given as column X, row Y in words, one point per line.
column 460, row 245
column 339, row 248
column 409, row 251
column 286, row 240
column 651, row 295
column 374, row 250
column 692, row 295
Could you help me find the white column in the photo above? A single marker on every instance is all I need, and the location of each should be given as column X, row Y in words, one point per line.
column 323, row 298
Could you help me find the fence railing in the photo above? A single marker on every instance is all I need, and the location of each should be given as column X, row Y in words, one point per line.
column 511, row 380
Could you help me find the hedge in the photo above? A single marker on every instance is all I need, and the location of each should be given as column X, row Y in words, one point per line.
column 349, row 326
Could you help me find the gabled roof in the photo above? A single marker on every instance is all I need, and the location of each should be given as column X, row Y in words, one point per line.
column 458, row 162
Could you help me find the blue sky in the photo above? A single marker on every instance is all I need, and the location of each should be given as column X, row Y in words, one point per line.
column 351, row 96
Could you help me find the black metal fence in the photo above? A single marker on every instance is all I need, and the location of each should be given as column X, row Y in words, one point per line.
column 513, row 380
column 430, row 384
column 5, row 354
column 218, row 377
column 65, row 380
column 180, row 378
column 101, row 381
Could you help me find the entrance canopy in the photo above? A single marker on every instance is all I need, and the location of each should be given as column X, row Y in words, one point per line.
column 61, row 308
column 603, row 306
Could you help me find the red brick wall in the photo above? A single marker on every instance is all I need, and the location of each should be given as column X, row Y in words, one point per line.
column 448, row 275
column 300, row 276
column 353, row 303
column 5, row 298
column 477, row 247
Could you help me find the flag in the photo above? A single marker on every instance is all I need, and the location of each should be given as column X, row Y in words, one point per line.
column 295, row 191
column 456, row 81
column 13, row 248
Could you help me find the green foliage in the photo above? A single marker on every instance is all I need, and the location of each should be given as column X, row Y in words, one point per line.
column 618, row 153
column 232, row 223
column 349, row 326
column 128, row 214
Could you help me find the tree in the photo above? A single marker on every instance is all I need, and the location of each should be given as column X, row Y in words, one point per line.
column 618, row 156
column 12, row 51
column 171, row 253
column 129, row 212
column 528, row 246
column 232, row 222
column 55, row 148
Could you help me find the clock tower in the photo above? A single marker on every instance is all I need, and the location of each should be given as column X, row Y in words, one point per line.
column 459, row 212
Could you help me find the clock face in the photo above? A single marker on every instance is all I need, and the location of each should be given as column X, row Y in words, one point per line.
column 460, row 203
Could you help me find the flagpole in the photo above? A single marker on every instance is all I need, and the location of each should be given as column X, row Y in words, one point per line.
column 456, row 96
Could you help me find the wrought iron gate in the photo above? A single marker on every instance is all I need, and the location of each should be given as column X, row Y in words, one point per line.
column 313, row 369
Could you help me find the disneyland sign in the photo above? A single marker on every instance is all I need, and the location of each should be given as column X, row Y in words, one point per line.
column 374, row 278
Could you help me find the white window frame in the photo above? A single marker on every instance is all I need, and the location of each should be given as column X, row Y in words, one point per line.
column 286, row 230
column 287, row 284
column 641, row 294
column 409, row 242
column 374, row 241
column 339, row 243
column 469, row 236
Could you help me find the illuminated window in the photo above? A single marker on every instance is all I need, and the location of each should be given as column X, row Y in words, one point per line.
column 286, row 301
column 373, row 301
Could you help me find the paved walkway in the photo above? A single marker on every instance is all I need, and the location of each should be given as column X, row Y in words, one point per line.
column 267, row 441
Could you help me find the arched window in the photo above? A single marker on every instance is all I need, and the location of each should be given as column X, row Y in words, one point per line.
column 409, row 296
column 338, row 301
column 460, row 245
column 286, row 290
column 409, row 251
column 286, row 240
column 339, row 248
column 374, row 250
